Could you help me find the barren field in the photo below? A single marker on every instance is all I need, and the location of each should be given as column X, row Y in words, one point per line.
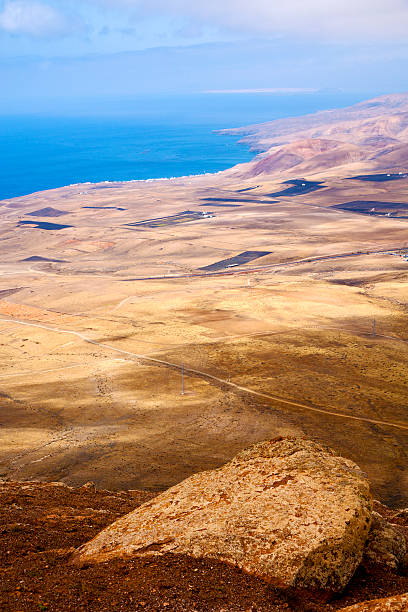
column 98, row 316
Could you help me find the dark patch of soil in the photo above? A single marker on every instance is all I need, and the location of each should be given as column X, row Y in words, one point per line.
column 238, row 260
column 349, row 282
column 299, row 187
column 181, row 217
column 210, row 200
column 45, row 225
column 6, row 292
column 105, row 207
column 224, row 205
column 375, row 208
column 38, row 258
column 41, row 524
column 247, row 189
column 48, row 212
column 378, row 178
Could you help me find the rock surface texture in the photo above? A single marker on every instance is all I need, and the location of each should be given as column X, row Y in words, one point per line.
column 399, row 603
column 287, row 510
column 386, row 545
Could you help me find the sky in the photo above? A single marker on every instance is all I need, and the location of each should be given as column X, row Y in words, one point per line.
column 68, row 49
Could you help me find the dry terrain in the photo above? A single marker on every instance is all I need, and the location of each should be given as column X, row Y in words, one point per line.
column 41, row 525
column 99, row 312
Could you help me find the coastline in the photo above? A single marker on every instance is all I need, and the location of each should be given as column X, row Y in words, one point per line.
column 134, row 159
column 142, row 148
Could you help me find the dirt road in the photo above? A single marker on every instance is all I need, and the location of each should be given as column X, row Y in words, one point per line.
column 220, row 382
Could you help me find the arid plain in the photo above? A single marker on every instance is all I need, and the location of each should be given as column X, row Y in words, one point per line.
column 305, row 333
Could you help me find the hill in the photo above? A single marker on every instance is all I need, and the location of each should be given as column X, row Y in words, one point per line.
column 372, row 134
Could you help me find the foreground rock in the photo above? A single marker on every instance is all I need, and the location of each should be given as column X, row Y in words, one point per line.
column 386, row 545
column 399, row 603
column 287, row 510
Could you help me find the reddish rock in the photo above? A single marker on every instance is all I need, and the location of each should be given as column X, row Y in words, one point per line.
column 288, row 510
column 399, row 603
column 386, row 545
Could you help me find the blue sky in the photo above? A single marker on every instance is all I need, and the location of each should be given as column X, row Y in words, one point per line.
column 51, row 49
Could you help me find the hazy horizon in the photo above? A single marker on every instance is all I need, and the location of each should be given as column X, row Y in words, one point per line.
column 57, row 52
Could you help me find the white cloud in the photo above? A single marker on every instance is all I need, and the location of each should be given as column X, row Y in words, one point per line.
column 33, row 18
column 270, row 90
column 325, row 19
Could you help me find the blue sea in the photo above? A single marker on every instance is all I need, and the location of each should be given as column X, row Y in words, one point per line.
column 134, row 139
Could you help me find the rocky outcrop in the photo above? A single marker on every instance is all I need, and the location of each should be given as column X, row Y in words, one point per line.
column 386, row 545
column 399, row 603
column 287, row 510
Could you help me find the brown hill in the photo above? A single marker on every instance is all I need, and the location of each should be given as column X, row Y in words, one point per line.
column 385, row 114
column 373, row 133
column 309, row 154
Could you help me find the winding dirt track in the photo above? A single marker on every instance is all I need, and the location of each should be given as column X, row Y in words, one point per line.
column 220, row 382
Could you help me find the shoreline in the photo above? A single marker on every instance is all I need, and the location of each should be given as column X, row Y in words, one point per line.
column 256, row 138
column 107, row 182
column 174, row 177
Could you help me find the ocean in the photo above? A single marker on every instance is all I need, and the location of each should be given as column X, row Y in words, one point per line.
column 136, row 139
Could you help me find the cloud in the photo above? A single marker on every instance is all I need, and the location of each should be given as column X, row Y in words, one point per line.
column 33, row 18
column 268, row 90
column 343, row 20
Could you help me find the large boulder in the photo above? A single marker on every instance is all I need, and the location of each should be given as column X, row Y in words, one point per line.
column 398, row 603
column 287, row 510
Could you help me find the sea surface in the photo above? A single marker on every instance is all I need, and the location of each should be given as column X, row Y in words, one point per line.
column 136, row 139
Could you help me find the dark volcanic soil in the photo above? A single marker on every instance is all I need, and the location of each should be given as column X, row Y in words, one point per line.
column 379, row 178
column 238, row 260
column 48, row 212
column 45, row 225
column 299, row 187
column 35, row 258
column 41, row 524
